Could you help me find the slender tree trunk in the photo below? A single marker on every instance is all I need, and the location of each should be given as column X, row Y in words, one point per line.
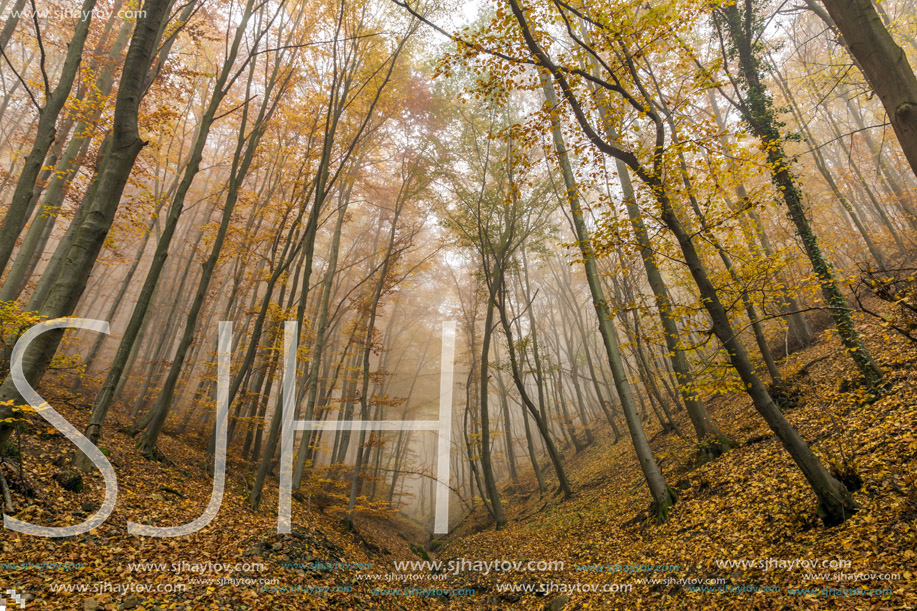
column 663, row 496
column 242, row 161
column 9, row 26
column 507, row 429
column 825, row 171
column 751, row 223
column 877, row 208
column 287, row 394
column 581, row 327
column 760, row 116
column 18, row 207
column 125, row 145
column 704, row 428
column 106, row 394
column 49, row 211
column 320, row 330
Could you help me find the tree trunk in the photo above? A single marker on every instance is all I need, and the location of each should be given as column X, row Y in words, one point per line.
column 884, row 64
column 704, row 428
column 758, row 113
column 663, row 496
column 16, row 213
column 125, row 145
column 9, row 26
column 318, row 346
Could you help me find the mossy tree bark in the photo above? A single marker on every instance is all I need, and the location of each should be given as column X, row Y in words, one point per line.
column 758, row 113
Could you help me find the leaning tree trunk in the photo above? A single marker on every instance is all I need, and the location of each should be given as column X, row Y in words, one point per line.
column 663, row 496
column 9, row 26
column 66, row 166
column 107, row 393
column 835, row 502
column 704, row 428
column 16, row 213
column 121, row 154
column 244, row 156
column 884, row 65
column 758, row 112
column 823, row 168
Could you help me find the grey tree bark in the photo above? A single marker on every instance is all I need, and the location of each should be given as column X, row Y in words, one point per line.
column 884, row 64
column 663, row 496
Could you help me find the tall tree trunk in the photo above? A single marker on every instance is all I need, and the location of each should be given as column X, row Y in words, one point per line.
column 878, row 209
column 835, row 501
column 49, row 211
column 823, row 168
column 752, row 226
column 704, row 428
column 884, row 64
column 106, row 394
column 507, row 429
column 286, row 396
column 321, row 328
column 758, row 113
column 663, row 496
column 247, row 144
column 541, row 423
column 365, row 399
column 18, row 207
column 124, row 146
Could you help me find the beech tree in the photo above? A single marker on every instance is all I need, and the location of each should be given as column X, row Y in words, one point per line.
column 884, row 64
column 121, row 152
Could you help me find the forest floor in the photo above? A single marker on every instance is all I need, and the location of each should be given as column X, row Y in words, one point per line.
column 744, row 530
column 742, row 534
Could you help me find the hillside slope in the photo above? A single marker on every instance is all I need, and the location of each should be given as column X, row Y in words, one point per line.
column 744, row 526
column 741, row 535
column 237, row 562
